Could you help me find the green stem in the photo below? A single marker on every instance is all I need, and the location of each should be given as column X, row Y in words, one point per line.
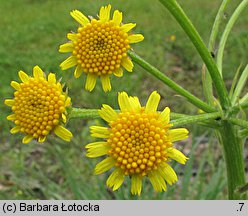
column 195, row 119
column 240, row 86
column 178, row 119
column 93, row 114
column 195, row 38
column 206, row 79
column 228, row 29
column 83, row 113
column 233, row 154
column 216, row 24
column 235, row 109
column 159, row 75
column 238, row 122
column 243, row 133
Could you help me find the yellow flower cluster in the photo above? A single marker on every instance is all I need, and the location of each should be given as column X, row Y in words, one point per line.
column 99, row 48
column 138, row 141
column 39, row 106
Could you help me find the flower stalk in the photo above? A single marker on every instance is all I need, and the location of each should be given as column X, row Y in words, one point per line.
column 178, row 119
column 195, row 119
column 166, row 80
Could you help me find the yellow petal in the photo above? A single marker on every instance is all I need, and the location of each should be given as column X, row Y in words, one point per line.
column 79, row 17
column 157, row 181
column 118, row 72
column 100, row 132
column 178, row 134
column 64, row 118
column 15, row 129
column 95, row 144
column 136, row 184
column 98, row 150
column 59, row 86
column 15, row 85
column 41, row 139
column 135, row 38
column 117, row 17
column 107, row 113
column 127, row 27
column 78, row 71
column 64, row 48
column 63, row 133
column 72, row 36
column 68, row 102
column 52, row 78
column 23, row 76
column 105, row 13
column 37, row 72
column 105, row 83
column 177, row 155
column 167, row 173
column 152, row 103
column 135, row 104
column 123, row 101
column 127, row 64
column 27, row 139
column 90, row 82
column 164, row 116
column 116, row 179
column 68, row 63
column 104, row 165
column 9, row 102
column 11, row 117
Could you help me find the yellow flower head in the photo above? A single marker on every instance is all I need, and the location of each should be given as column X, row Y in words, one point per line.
column 138, row 143
column 39, row 107
column 99, row 48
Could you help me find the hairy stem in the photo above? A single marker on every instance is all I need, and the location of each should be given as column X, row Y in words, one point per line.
column 233, row 154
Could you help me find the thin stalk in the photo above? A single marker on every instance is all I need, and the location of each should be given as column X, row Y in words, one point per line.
column 244, row 99
column 238, row 122
column 243, row 133
column 240, row 85
column 83, row 113
column 234, row 82
column 166, row 80
column 233, row 154
column 226, row 32
column 195, row 119
column 216, row 24
column 195, row 38
column 206, row 79
column 93, row 114
column 235, row 109
column 178, row 119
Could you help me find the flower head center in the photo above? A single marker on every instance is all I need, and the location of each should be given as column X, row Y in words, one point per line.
column 139, row 142
column 100, row 47
column 38, row 106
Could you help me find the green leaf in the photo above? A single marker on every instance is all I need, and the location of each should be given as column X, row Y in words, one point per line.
column 206, row 78
column 234, row 82
column 240, row 85
column 226, row 32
